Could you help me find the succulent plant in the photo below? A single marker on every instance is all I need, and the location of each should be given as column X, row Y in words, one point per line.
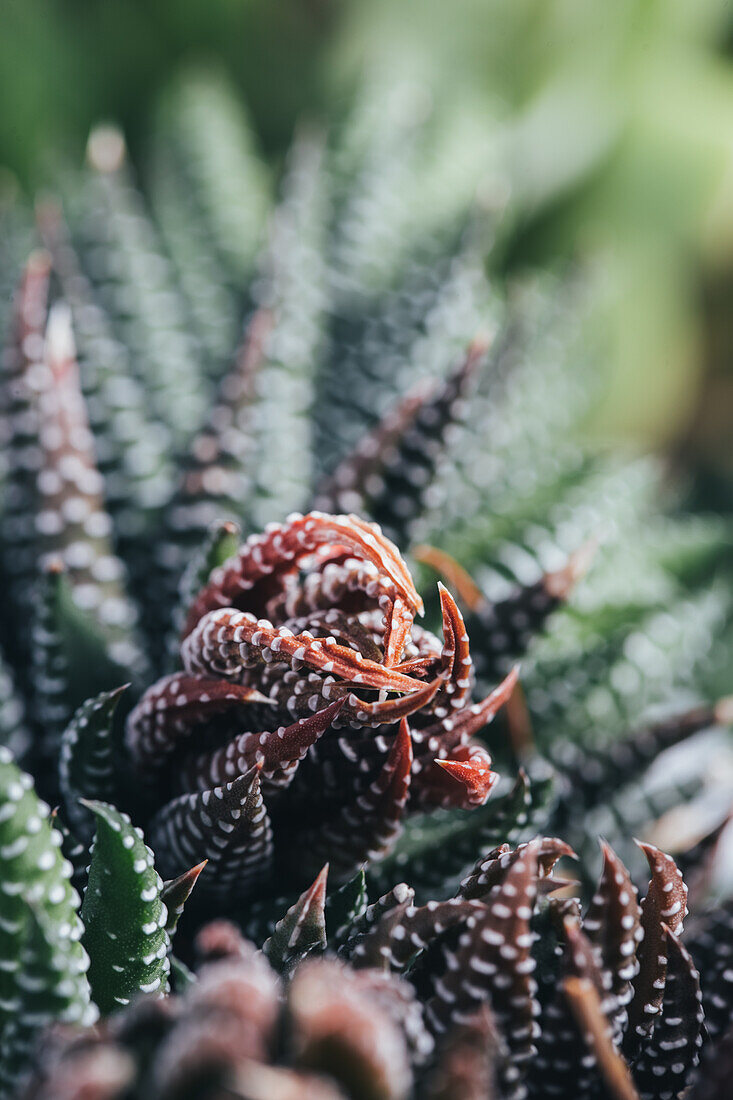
column 216, row 717
column 501, row 990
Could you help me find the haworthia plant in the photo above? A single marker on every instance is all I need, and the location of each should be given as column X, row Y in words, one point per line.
column 479, row 627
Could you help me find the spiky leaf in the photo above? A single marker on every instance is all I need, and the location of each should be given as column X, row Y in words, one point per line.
column 302, row 931
column 229, row 827
column 176, row 892
column 345, row 906
column 124, row 917
column 86, row 761
column 674, row 1046
column 42, row 976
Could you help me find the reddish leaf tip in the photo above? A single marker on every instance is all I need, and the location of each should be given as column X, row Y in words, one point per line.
column 478, row 779
column 316, row 893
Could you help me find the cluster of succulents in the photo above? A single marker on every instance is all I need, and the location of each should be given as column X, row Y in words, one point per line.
column 501, row 990
column 272, row 823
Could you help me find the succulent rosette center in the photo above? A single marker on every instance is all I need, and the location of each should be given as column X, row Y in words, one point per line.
column 354, row 714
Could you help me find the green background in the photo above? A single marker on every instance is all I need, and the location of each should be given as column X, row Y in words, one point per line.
column 616, row 120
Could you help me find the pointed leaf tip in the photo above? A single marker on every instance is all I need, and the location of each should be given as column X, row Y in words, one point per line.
column 303, row 928
column 316, row 893
column 176, row 892
column 477, row 777
column 400, row 755
column 665, row 901
column 229, row 824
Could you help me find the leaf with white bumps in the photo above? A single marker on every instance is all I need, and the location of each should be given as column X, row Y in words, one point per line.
column 42, row 963
column 229, row 827
column 674, row 1046
column 70, row 658
column 51, row 988
column 665, row 906
column 124, row 917
column 86, row 763
column 492, row 962
column 302, row 931
column 392, row 466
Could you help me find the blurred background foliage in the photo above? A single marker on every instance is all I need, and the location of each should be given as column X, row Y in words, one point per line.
column 612, row 123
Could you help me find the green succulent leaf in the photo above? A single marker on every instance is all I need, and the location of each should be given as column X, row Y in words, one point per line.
column 42, row 962
column 302, row 931
column 71, row 659
column 123, row 914
column 344, row 906
column 176, row 892
column 13, row 732
column 51, row 988
column 108, row 223
column 86, row 762
column 220, row 543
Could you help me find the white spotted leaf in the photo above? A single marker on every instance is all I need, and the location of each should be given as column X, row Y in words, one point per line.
column 124, row 917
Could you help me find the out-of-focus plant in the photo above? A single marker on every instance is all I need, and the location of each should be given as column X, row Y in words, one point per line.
column 64, row 64
column 611, row 122
column 616, row 123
